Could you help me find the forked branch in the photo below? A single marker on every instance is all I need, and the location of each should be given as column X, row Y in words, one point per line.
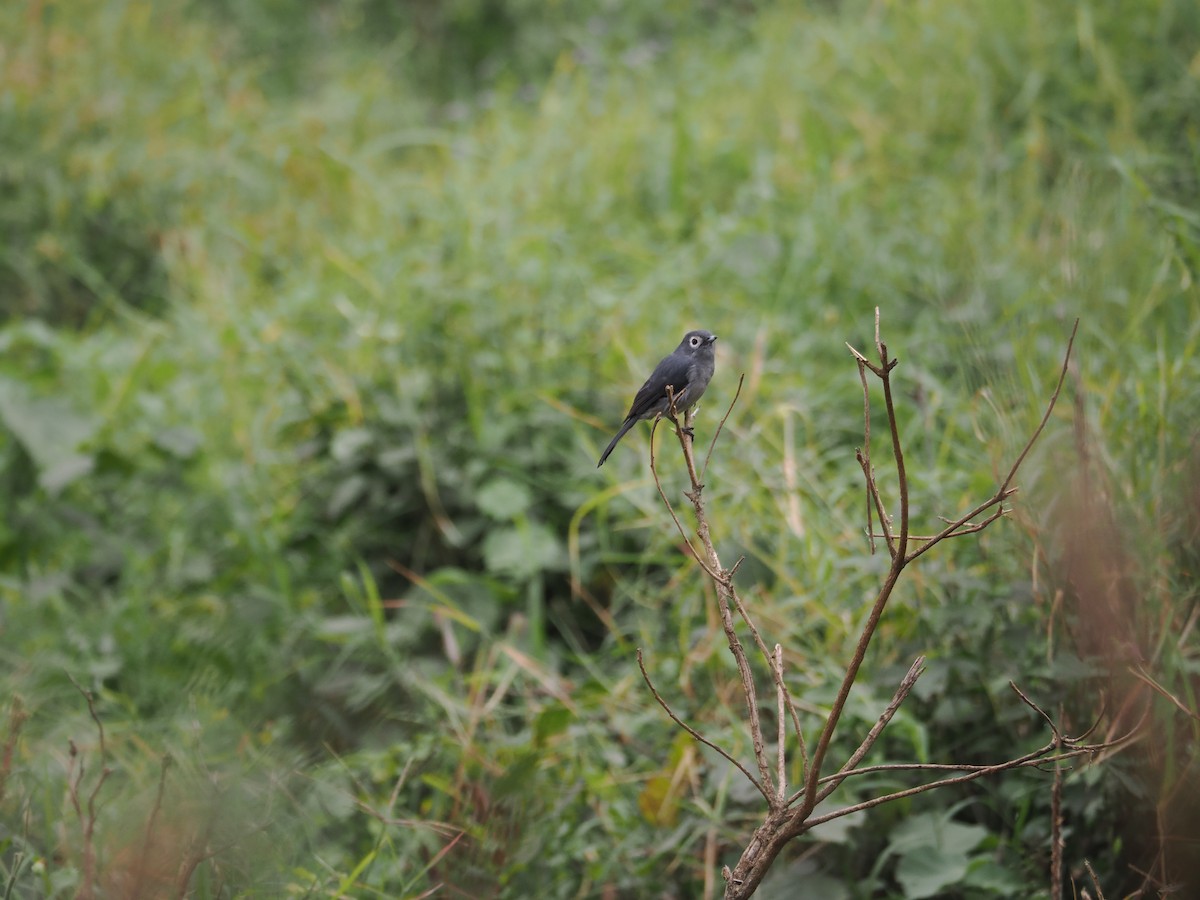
column 789, row 815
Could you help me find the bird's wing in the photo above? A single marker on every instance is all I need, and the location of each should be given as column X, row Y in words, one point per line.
column 673, row 370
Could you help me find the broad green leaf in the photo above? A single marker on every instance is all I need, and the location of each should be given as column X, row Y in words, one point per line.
column 50, row 431
column 504, row 499
column 551, row 721
column 934, row 851
column 349, row 442
column 180, row 442
column 522, row 551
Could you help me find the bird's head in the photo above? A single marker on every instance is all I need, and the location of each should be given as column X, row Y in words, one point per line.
column 697, row 343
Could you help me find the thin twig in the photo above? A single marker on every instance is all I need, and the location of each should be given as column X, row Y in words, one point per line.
column 894, row 427
column 927, row 767
column 1012, row 473
column 780, row 684
column 90, row 698
column 905, row 688
column 1058, row 738
column 864, row 460
column 780, row 725
column 686, row 435
column 694, row 733
column 1038, row 757
column 1095, row 724
column 87, row 824
column 1141, row 674
column 716, row 434
column 152, row 821
column 671, row 509
column 1095, row 881
column 1004, row 491
column 1056, row 831
column 1036, row 760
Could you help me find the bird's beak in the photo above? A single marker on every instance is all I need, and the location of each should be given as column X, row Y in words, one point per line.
column 712, row 339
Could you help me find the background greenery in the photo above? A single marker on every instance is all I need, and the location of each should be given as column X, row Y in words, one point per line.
column 314, row 318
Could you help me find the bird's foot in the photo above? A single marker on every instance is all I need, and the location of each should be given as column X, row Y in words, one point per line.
column 689, row 431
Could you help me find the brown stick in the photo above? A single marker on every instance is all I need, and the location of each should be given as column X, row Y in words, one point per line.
column 697, row 735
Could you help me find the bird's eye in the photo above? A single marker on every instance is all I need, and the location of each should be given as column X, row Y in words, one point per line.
column 695, row 342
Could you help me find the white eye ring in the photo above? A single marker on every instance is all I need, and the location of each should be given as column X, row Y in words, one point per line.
column 695, row 342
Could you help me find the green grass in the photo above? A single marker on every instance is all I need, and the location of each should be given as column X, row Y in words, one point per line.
column 310, row 342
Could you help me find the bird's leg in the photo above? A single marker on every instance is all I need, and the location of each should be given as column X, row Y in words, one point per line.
column 673, row 413
column 688, row 418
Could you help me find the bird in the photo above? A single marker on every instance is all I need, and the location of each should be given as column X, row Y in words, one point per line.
column 687, row 372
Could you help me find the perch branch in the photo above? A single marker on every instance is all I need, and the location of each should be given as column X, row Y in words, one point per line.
column 723, row 580
column 671, row 509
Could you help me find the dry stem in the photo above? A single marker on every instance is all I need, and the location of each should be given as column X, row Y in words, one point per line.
column 789, row 816
column 87, row 820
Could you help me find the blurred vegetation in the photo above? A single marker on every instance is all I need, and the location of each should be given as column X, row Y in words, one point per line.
column 314, row 317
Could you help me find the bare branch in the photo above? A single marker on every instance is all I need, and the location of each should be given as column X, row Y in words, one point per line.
column 1056, row 834
column 781, row 825
column 885, row 592
column 864, row 460
column 671, row 509
column 786, row 816
column 1091, row 728
column 780, row 725
column 722, row 579
column 1141, row 674
column 780, row 685
column 897, row 451
column 721, row 425
column 1037, row 433
column 905, row 688
column 697, row 735
column 90, row 698
column 87, row 823
column 1037, row 761
column 1037, row 758
column 1004, row 490
column 1095, row 881
column 862, row 360
column 1058, row 738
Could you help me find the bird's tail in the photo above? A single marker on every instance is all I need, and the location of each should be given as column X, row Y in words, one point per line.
column 629, row 423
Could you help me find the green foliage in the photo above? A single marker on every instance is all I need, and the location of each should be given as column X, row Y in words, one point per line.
column 314, row 318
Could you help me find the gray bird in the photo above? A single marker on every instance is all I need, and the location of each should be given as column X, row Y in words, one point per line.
column 688, row 371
